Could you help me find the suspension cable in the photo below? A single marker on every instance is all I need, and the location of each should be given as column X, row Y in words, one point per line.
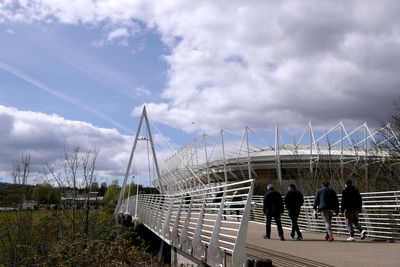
column 187, row 166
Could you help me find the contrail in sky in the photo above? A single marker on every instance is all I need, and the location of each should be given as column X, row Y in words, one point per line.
column 60, row 95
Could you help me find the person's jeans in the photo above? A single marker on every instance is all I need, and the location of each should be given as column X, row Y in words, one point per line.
column 327, row 217
column 277, row 219
column 294, row 216
column 352, row 221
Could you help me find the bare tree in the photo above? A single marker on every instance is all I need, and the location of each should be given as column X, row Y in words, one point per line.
column 16, row 229
column 88, row 166
column 389, row 143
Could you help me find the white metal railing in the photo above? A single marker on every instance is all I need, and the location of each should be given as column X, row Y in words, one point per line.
column 380, row 215
column 209, row 224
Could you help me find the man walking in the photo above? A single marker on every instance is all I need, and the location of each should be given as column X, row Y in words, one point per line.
column 273, row 207
column 351, row 206
column 327, row 203
column 293, row 202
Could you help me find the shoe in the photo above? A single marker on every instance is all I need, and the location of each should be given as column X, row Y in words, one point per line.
column 330, row 238
column 351, row 239
column 265, row 237
column 299, row 238
column 292, row 235
column 363, row 234
column 326, row 237
column 282, row 238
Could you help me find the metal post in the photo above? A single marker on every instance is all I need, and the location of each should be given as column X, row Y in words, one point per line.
column 153, row 149
column 239, row 249
column 205, row 151
column 277, row 156
column 223, row 154
column 341, row 152
column 214, row 250
column 137, row 195
column 122, row 193
column 248, row 153
column 366, row 157
column 311, row 159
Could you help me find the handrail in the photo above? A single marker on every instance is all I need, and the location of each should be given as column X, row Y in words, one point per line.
column 208, row 224
column 380, row 215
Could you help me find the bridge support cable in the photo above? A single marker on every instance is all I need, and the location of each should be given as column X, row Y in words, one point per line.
column 177, row 154
column 152, row 148
column 122, row 193
column 143, row 119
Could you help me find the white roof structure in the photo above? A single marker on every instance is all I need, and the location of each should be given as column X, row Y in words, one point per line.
column 202, row 161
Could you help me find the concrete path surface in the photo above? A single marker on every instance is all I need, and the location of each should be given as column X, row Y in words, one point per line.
column 313, row 250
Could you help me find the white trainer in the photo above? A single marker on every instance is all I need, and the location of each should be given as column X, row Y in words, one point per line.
column 351, row 239
column 363, row 234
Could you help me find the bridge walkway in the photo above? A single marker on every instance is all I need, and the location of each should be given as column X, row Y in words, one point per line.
column 313, row 250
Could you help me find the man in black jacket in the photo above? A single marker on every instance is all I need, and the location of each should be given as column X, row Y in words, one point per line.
column 351, row 207
column 273, row 207
column 293, row 202
column 327, row 203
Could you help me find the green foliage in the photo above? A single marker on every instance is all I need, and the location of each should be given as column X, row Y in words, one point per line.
column 10, row 194
column 131, row 190
column 111, row 196
column 102, row 189
column 94, row 187
column 46, row 194
column 45, row 238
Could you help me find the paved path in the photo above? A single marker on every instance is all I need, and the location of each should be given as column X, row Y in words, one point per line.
column 313, row 250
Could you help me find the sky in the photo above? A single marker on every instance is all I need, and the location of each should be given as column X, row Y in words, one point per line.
column 78, row 72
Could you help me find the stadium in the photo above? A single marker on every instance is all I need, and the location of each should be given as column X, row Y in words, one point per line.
column 337, row 154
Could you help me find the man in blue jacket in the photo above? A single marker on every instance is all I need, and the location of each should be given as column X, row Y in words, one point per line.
column 293, row 201
column 327, row 203
column 351, row 206
column 273, row 207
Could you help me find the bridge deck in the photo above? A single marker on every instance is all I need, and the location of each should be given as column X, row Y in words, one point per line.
column 313, row 250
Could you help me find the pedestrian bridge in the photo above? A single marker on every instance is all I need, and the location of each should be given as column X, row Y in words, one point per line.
column 207, row 213
column 209, row 227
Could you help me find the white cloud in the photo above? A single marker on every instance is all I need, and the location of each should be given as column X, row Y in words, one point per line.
column 46, row 136
column 119, row 33
column 234, row 63
column 141, row 91
column 10, row 31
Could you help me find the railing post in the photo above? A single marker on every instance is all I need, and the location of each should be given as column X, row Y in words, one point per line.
column 239, row 250
column 160, row 214
column 214, row 252
column 166, row 229
column 198, row 246
column 175, row 241
column 184, row 241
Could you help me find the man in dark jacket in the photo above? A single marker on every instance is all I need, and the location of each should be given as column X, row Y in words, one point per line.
column 351, row 207
column 293, row 202
column 273, row 207
column 327, row 203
